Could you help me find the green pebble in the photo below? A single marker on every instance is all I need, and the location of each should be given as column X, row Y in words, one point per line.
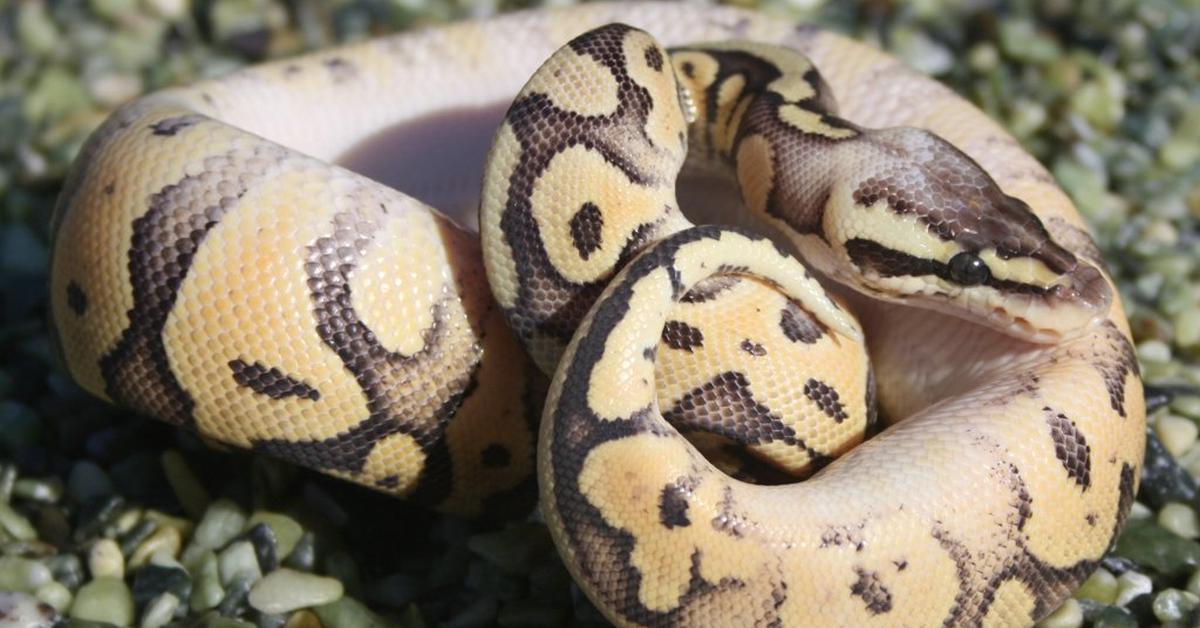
column 1114, row 617
column 222, row 521
column 47, row 491
column 1179, row 153
column 1027, row 118
column 54, row 594
column 213, row 619
column 106, row 560
column 159, row 611
column 1131, row 585
column 16, row 524
column 1154, row 351
column 125, row 523
column 1193, row 583
column 1173, row 604
column 1177, row 433
column 36, row 31
column 238, row 561
column 1180, row 519
column 1069, row 615
column 285, row 590
column 104, row 599
column 348, row 613
column 1187, row 405
column 1101, row 587
column 1149, row 544
column 166, row 540
column 188, row 490
column 1187, row 327
column 287, row 530
column 1098, row 104
column 206, row 584
column 170, row 10
column 983, row 57
column 8, row 479
column 57, row 94
column 22, row 574
column 113, row 9
column 1021, row 40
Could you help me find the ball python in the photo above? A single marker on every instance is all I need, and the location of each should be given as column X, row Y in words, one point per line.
column 213, row 266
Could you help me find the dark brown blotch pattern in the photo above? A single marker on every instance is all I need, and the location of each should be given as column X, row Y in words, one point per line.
column 673, row 504
column 679, row 335
column 1114, row 358
column 168, row 127
column 585, row 229
column 711, row 288
column 270, row 381
column 726, row 406
column 798, row 325
column 753, row 348
column 76, row 298
column 548, row 305
column 654, row 58
column 378, row 371
column 1070, row 447
column 137, row 372
column 826, row 399
column 875, row 596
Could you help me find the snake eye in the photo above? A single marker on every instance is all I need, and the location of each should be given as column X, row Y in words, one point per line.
column 967, row 269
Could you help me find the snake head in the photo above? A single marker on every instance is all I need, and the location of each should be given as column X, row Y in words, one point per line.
column 924, row 224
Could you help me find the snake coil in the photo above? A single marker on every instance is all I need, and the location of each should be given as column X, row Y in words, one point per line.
column 213, row 268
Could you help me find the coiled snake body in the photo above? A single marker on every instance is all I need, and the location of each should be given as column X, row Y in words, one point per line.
column 213, row 269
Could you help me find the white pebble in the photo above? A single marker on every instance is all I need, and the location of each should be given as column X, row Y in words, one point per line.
column 54, row 594
column 1177, row 433
column 16, row 525
column 1154, row 351
column 239, row 560
column 159, row 611
column 105, row 559
column 1069, row 615
column 104, row 599
column 1140, row 511
column 22, row 574
column 165, row 540
column 285, row 590
column 21, row 610
column 1130, row 585
column 1180, row 519
column 222, row 521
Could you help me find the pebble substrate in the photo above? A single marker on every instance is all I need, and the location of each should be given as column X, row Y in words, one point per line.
column 109, row 519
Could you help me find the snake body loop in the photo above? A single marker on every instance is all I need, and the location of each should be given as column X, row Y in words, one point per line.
column 213, row 268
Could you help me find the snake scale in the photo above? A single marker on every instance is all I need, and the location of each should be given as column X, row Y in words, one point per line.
column 213, row 268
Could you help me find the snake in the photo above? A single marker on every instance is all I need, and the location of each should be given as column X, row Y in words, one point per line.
column 935, row 419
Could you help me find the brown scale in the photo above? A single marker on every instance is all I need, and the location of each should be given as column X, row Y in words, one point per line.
column 165, row 238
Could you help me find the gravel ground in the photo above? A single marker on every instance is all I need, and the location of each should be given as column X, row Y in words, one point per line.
column 104, row 518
